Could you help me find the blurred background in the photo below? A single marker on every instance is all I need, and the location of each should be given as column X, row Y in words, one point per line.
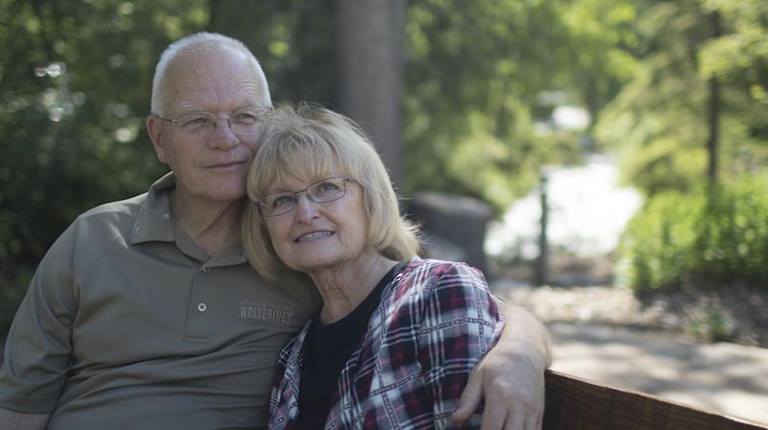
column 602, row 160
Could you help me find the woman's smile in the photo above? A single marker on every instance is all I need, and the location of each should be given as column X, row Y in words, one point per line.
column 314, row 235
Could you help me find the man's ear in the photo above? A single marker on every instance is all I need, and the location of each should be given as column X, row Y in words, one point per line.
column 155, row 132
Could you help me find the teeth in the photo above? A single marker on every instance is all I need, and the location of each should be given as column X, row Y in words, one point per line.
column 314, row 236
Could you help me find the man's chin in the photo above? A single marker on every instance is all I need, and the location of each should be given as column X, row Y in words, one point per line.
column 225, row 194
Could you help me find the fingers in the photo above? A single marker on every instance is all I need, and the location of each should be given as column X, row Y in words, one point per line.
column 537, row 413
column 507, row 420
column 470, row 398
column 515, row 421
column 534, row 423
column 495, row 415
column 509, row 410
column 538, row 423
column 513, row 392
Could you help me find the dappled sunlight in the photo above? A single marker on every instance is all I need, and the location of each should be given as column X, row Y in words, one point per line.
column 727, row 378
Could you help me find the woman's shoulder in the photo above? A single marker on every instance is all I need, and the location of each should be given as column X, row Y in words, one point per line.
column 426, row 277
column 436, row 292
column 433, row 268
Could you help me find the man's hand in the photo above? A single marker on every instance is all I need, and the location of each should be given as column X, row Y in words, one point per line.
column 511, row 377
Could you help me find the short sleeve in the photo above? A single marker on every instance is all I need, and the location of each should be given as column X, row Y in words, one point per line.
column 38, row 346
column 461, row 322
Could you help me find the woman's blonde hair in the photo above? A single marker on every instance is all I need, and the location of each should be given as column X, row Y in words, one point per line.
column 308, row 143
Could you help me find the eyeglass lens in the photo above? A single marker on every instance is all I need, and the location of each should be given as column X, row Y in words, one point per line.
column 246, row 121
column 323, row 191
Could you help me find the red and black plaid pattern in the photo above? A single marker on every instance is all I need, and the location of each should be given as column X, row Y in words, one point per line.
column 435, row 321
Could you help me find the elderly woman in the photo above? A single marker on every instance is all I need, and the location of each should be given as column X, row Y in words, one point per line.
column 397, row 336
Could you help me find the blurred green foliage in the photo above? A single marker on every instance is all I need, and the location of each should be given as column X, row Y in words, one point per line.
column 473, row 75
column 711, row 325
column 706, row 237
column 659, row 121
column 481, row 81
column 474, row 71
column 75, row 79
column 74, row 90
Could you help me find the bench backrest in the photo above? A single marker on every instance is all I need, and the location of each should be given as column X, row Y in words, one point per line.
column 574, row 403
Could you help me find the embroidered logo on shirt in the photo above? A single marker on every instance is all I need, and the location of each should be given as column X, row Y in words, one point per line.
column 253, row 310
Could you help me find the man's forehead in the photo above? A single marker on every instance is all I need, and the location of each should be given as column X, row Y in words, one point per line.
column 211, row 68
column 223, row 77
column 198, row 99
column 232, row 94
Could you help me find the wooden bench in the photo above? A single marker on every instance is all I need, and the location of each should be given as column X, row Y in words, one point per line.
column 576, row 404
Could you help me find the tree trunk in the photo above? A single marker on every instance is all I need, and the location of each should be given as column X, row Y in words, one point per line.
column 713, row 139
column 369, row 50
column 542, row 263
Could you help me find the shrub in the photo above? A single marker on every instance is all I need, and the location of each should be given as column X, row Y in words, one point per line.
column 710, row 236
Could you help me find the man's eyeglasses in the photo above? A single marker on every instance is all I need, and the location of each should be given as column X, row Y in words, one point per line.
column 323, row 191
column 242, row 122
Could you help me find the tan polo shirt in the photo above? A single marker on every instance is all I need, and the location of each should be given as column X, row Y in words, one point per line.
column 129, row 324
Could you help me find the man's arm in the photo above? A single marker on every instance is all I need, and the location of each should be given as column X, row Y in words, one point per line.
column 11, row 420
column 511, row 376
column 38, row 346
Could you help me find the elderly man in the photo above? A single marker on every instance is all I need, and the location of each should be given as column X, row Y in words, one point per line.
column 145, row 314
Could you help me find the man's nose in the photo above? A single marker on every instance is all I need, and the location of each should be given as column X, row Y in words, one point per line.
column 222, row 136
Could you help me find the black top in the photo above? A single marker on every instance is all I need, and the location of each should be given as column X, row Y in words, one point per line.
column 327, row 349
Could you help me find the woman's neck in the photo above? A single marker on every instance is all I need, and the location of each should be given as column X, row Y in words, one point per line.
column 343, row 288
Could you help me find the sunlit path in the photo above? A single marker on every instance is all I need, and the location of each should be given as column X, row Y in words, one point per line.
column 722, row 377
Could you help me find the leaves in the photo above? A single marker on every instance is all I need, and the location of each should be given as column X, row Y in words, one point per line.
column 708, row 236
column 74, row 92
column 659, row 120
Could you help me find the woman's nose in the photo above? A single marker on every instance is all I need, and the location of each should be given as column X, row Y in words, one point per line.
column 306, row 210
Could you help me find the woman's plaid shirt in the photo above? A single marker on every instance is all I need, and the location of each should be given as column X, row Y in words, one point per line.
column 435, row 321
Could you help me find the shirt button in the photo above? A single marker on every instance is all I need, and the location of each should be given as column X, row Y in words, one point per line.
column 206, row 269
column 202, row 307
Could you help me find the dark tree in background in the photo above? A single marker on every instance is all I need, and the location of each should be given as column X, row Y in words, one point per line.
column 713, row 110
column 346, row 54
column 369, row 52
column 293, row 40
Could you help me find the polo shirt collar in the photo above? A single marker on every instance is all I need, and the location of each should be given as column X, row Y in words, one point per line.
column 154, row 223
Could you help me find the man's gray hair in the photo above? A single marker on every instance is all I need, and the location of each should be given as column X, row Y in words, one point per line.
column 198, row 43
